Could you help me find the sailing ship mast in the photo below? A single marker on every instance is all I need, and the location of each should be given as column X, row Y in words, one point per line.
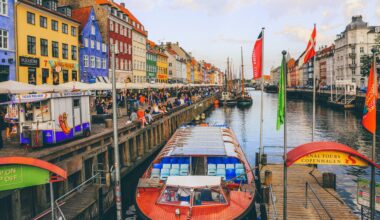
column 242, row 73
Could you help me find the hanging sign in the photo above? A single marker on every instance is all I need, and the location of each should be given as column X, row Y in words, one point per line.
column 332, row 158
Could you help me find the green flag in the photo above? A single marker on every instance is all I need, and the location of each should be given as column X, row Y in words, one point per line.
column 281, row 95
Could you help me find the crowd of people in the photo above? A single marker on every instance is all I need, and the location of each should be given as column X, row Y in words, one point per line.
column 149, row 103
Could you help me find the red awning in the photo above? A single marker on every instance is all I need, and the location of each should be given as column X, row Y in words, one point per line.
column 314, row 147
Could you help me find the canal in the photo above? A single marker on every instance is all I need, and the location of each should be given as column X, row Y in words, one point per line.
column 331, row 125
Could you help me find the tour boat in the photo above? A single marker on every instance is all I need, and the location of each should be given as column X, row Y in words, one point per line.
column 228, row 99
column 201, row 173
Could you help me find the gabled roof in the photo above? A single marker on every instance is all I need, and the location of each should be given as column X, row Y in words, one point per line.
column 133, row 18
column 82, row 14
column 170, row 51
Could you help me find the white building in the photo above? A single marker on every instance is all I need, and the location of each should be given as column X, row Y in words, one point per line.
column 355, row 41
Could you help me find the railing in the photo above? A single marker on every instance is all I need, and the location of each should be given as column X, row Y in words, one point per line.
column 273, row 202
column 326, row 212
column 58, row 202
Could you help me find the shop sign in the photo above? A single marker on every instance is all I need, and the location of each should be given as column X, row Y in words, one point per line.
column 19, row 176
column 332, row 158
column 59, row 65
column 29, row 61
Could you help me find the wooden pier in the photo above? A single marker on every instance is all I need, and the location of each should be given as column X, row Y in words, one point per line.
column 329, row 207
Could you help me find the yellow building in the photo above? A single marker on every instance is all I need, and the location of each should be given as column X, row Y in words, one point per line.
column 197, row 71
column 47, row 44
column 162, row 67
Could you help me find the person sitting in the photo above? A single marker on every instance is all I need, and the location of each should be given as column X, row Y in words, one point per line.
column 169, row 106
column 156, row 110
column 141, row 116
column 133, row 116
column 177, row 103
column 148, row 116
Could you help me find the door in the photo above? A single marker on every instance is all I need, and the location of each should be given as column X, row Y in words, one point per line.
column 77, row 117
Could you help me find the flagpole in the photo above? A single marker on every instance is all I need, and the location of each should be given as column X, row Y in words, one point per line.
column 313, row 124
column 285, row 144
column 373, row 171
column 261, row 148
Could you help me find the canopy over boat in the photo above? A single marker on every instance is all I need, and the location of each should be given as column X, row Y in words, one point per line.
column 193, row 181
column 208, row 141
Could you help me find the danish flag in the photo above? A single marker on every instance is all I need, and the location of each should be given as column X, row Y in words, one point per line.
column 310, row 49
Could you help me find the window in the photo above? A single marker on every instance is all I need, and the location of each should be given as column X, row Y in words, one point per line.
column 92, row 44
column 74, row 75
column 111, row 41
column 104, row 47
column 31, row 45
column 125, row 48
column 4, row 7
column 85, row 42
column 121, row 47
column 121, row 64
column 65, row 74
column 65, row 51
column 117, row 63
column 3, row 39
column 73, row 31
column 98, row 45
column 43, row 22
column 73, row 52
column 92, row 62
column 111, row 25
column 65, row 28
column 85, row 61
column 54, row 25
column 32, row 76
column 45, row 75
column 55, row 49
column 44, row 47
column 104, row 63
column 361, row 49
column 116, row 28
column 98, row 64
column 30, row 18
column 125, row 64
column 93, row 29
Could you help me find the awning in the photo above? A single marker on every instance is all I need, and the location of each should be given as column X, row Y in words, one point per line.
column 193, row 181
column 102, row 79
column 13, row 87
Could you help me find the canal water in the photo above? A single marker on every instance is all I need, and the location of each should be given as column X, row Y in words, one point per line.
column 331, row 125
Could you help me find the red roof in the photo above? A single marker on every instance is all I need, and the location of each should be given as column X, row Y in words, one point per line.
column 82, row 14
column 133, row 18
column 172, row 52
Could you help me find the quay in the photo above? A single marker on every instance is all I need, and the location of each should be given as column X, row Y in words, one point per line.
column 304, row 187
column 88, row 162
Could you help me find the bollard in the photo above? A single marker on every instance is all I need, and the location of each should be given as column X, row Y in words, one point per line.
column 329, row 180
column 108, row 123
column 268, row 178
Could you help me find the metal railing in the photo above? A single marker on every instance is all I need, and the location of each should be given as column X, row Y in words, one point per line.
column 321, row 216
column 273, row 202
column 58, row 202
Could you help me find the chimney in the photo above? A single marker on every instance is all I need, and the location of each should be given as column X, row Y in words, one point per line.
column 122, row 4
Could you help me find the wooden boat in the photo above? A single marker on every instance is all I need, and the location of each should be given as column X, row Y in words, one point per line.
column 244, row 100
column 201, row 173
column 227, row 99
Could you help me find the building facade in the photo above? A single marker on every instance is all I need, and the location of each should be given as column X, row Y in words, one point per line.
column 324, row 66
column 151, row 62
column 7, row 43
column 116, row 29
column 162, row 65
column 355, row 41
column 93, row 53
column 47, row 43
column 182, row 62
column 172, row 65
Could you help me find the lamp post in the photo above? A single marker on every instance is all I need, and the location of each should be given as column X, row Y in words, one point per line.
column 119, row 213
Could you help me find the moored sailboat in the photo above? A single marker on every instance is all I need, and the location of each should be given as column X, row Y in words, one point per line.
column 244, row 99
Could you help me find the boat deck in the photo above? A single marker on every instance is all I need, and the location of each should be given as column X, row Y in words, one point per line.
column 298, row 175
column 239, row 203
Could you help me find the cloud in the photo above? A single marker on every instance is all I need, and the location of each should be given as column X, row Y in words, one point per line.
column 302, row 34
column 378, row 10
column 354, row 7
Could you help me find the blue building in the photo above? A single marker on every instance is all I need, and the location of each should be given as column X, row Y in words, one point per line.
column 7, row 42
column 93, row 52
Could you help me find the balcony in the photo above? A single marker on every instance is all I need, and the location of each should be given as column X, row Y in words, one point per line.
column 352, row 55
column 352, row 65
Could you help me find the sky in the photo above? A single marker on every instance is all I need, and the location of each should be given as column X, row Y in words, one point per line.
column 213, row 30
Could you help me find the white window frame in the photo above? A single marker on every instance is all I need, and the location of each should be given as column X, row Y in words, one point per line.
column 92, row 29
column 104, row 63
column 116, row 28
column 92, row 44
column 85, row 42
column 97, row 45
column 111, row 26
column 104, row 47
column 121, row 47
column 4, row 7
column 121, row 64
column 98, row 63
column 92, row 61
column 85, row 60
column 4, row 39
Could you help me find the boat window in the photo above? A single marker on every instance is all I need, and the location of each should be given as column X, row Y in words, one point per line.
column 176, row 196
column 208, row 196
